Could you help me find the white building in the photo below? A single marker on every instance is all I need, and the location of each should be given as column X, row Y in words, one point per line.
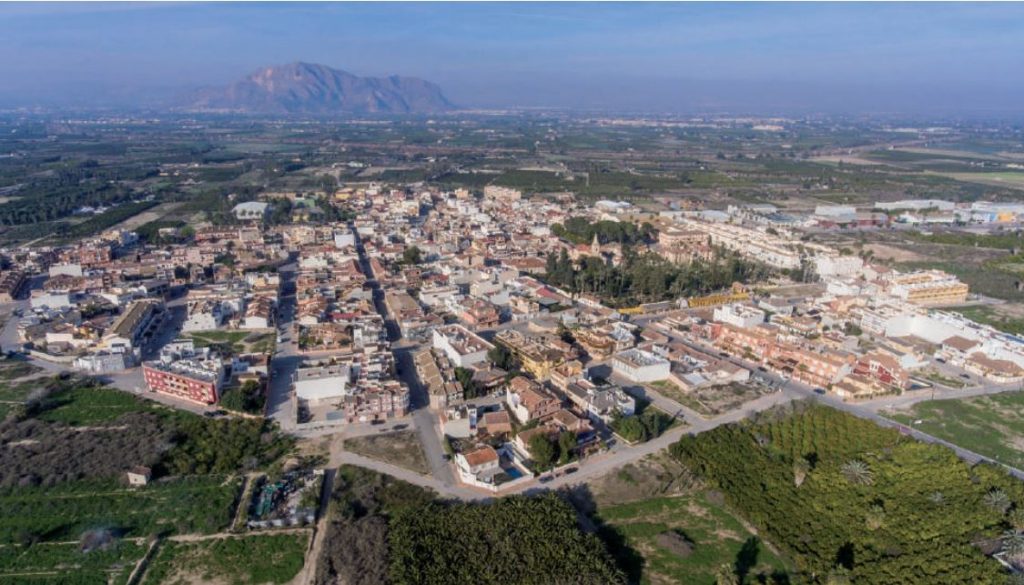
column 251, row 210
column 828, row 266
column 739, row 315
column 463, row 347
column 322, row 383
column 641, row 366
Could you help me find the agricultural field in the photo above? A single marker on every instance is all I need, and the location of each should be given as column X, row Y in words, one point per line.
column 229, row 560
column 686, row 539
column 990, row 425
column 63, row 512
column 67, row 563
column 401, row 448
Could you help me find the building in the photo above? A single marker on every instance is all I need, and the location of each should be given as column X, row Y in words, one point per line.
column 139, row 475
column 641, row 366
column 463, row 347
column 320, row 384
column 739, row 315
column 929, row 288
column 251, row 210
column 197, row 380
column 528, row 401
column 601, row 402
column 133, row 326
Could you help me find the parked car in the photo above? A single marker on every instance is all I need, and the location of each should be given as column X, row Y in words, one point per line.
column 819, row 391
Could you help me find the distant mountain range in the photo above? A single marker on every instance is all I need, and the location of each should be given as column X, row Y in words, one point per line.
column 306, row 88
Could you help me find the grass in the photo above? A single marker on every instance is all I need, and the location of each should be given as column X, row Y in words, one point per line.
column 193, row 504
column 238, row 341
column 990, row 425
column 400, row 448
column 718, row 538
column 66, row 563
column 85, row 406
column 264, row 558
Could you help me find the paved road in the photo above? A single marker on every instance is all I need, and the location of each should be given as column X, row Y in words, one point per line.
column 286, row 359
column 425, row 421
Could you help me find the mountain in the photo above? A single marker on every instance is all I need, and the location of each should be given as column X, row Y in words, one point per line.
column 305, row 88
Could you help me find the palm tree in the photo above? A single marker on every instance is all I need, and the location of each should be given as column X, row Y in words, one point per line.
column 1016, row 519
column 800, row 470
column 1013, row 546
column 875, row 517
column 857, row 472
column 726, row 575
column 998, row 501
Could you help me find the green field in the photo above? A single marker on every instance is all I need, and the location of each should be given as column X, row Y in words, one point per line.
column 66, row 563
column 81, row 406
column 63, row 512
column 265, row 558
column 717, row 538
column 990, row 425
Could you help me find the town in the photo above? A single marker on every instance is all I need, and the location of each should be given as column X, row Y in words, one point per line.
column 542, row 316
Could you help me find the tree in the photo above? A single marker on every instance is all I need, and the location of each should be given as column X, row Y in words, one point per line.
column 566, row 445
column 857, row 472
column 542, row 450
column 412, row 255
column 998, row 501
column 726, row 575
column 801, row 467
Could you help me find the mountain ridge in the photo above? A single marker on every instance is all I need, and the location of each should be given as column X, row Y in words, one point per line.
column 309, row 88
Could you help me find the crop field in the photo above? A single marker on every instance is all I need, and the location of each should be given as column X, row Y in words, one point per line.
column 63, row 512
column 685, row 540
column 67, row 563
column 990, row 425
column 263, row 558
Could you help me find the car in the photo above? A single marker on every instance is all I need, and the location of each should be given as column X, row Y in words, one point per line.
column 376, row 422
column 762, row 369
column 401, row 427
column 545, row 478
column 819, row 391
column 571, row 470
column 940, row 360
column 965, row 376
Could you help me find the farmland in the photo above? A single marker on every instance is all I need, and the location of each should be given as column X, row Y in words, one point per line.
column 262, row 558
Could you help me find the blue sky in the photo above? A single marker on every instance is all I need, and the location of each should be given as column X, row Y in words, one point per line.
column 858, row 57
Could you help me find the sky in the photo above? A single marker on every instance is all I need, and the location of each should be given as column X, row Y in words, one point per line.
column 902, row 58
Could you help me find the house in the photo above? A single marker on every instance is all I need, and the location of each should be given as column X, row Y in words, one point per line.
column 955, row 349
column 995, row 370
column 480, row 461
column 528, row 401
column 496, row 423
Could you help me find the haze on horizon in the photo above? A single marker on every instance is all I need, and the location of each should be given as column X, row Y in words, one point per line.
column 902, row 59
